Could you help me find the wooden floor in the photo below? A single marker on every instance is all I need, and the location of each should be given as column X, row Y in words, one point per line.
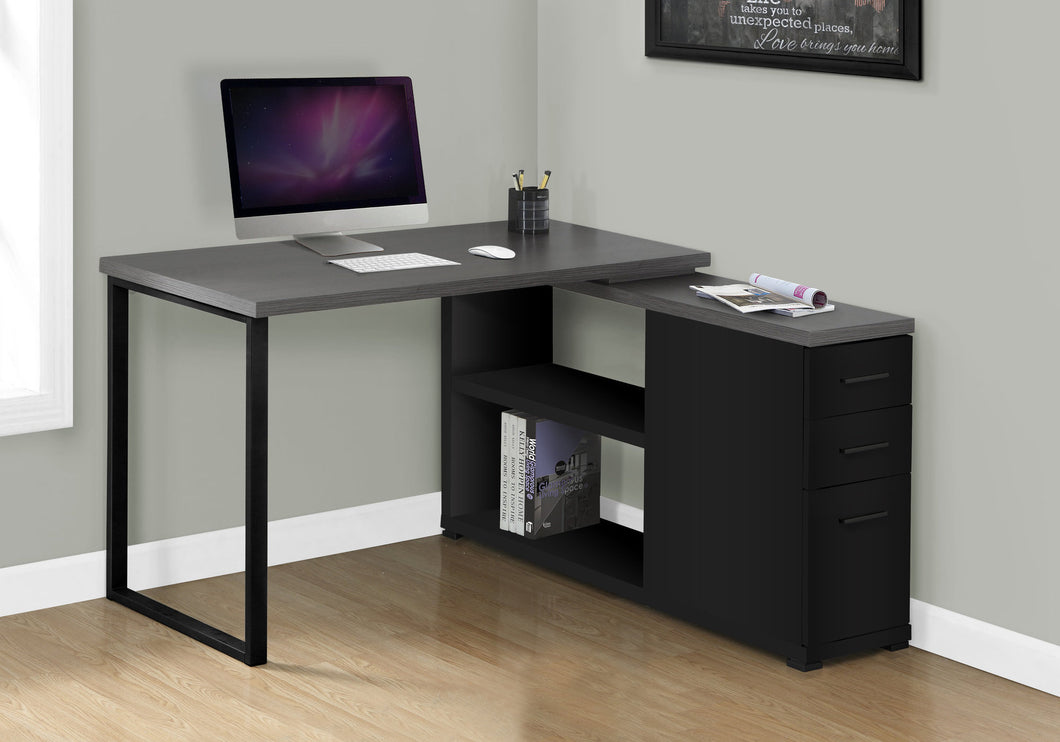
column 445, row 640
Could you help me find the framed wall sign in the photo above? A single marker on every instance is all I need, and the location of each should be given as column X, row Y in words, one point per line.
column 880, row 38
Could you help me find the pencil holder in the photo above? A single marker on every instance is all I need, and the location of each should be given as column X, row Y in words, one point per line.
column 528, row 210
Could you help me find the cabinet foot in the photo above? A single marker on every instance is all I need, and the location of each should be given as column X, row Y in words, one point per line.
column 805, row 666
column 896, row 646
column 451, row 534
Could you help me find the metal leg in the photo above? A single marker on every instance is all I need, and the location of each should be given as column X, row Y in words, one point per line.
column 117, row 437
column 257, row 487
column 252, row 649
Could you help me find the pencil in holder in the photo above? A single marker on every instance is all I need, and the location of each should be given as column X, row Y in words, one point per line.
column 528, row 210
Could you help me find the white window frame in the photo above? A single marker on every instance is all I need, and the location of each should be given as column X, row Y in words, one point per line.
column 49, row 404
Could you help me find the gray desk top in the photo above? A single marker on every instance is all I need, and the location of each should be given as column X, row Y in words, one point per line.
column 848, row 323
column 271, row 278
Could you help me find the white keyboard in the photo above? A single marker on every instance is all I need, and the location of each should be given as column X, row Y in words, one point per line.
column 398, row 262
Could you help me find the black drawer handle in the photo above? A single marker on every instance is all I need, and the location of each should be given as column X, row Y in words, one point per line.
column 863, row 518
column 863, row 379
column 863, row 449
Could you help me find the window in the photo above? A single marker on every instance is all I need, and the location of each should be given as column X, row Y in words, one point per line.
column 36, row 219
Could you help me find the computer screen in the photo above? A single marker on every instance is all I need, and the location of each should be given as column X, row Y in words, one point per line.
column 314, row 157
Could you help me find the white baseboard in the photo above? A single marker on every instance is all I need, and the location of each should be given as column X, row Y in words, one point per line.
column 987, row 647
column 30, row 587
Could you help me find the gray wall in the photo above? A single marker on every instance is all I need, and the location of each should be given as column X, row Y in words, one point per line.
column 150, row 174
column 918, row 198
column 903, row 196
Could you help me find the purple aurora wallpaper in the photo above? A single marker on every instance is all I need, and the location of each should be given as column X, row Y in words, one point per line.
column 324, row 146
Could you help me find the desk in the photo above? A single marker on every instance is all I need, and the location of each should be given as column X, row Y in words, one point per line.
column 248, row 283
column 777, row 451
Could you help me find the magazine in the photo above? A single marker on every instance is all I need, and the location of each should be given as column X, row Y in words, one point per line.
column 805, row 310
column 814, row 297
column 768, row 294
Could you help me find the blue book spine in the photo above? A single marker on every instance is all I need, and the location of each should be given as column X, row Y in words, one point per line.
column 529, row 477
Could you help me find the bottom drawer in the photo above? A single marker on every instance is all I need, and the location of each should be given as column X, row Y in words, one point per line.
column 858, row 559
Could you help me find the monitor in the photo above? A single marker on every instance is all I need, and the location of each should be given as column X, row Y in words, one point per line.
column 316, row 157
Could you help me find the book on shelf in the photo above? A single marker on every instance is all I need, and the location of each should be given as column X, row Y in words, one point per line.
column 556, row 477
column 513, row 447
column 566, row 492
column 513, row 466
column 506, row 424
column 764, row 293
column 517, row 469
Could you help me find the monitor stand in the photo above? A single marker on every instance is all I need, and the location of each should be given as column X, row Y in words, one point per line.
column 333, row 245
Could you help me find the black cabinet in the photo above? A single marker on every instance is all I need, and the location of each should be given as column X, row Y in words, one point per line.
column 776, row 492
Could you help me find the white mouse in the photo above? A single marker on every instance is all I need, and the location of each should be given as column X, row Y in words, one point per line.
column 492, row 251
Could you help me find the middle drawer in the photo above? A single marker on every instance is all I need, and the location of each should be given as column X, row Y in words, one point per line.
column 853, row 448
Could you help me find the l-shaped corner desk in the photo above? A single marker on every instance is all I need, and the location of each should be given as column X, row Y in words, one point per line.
column 777, row 450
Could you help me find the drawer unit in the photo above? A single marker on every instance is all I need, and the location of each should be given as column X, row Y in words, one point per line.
column 858, row 559
column 858, row 439
column 779, row 504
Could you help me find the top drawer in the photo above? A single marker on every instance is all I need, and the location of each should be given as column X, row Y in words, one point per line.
column 854, row 377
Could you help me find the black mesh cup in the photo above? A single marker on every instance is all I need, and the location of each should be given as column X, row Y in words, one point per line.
column 528, row 210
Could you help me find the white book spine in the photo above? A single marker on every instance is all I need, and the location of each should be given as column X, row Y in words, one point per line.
column 520, row 508
column 515, row 521
column 513, row 445
column 504, row 483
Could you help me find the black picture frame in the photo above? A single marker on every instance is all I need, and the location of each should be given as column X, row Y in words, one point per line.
column 876, row 38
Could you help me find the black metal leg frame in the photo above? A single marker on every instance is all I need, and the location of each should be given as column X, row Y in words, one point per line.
column 252, row 649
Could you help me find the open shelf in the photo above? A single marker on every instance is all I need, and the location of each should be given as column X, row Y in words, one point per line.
column 607, row 555
column 611, row 408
